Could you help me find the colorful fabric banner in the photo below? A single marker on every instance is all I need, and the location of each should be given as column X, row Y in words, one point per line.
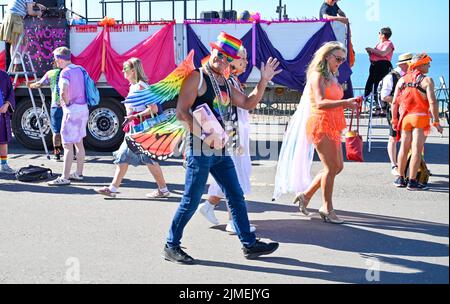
column 3, row 60
column 156, row 54
column 294, row 71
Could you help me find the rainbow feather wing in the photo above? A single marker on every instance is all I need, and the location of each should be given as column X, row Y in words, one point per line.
column 158, row 142
column 166, row 89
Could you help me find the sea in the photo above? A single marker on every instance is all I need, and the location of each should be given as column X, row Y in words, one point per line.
column 439, row 67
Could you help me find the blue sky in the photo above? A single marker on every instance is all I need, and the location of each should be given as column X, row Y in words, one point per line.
column 417, row 25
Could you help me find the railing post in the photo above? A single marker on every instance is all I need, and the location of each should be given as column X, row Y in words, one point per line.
column 121, row 7
column 150, row 11
column 135, row 10
column 86, row 8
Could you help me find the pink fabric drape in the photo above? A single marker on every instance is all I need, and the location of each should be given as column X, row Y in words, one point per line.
column 156, row 54
column 3, row 60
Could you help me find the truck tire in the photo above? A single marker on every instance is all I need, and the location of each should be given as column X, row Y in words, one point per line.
column 104, row 131
column 25, row 127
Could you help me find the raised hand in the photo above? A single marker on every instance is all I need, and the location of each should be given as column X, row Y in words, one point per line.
column 269, row 70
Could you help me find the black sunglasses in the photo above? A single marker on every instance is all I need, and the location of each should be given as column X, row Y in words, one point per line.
column 221, row 55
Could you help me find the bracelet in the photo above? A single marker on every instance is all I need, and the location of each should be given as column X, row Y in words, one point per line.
column 436, row 124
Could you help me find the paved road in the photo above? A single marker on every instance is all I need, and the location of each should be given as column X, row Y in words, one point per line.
column 72, row 235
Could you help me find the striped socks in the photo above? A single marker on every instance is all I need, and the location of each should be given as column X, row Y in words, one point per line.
column 3, row 160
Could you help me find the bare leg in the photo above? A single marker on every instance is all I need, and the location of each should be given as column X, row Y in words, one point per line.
column 403, row 153
column 418, row 143
column 315, row 185
column 68, row 159
column 57, row 143
column 81, row 155
column 392, row 151
column 157, row 173
column 331, row 156
column 214, row 200
column 121, row 170
column 4, row 150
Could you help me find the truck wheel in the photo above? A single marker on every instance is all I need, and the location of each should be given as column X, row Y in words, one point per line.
column 25, row 126
column 104, row 132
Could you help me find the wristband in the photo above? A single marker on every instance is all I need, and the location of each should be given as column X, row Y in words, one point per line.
column 436, row 124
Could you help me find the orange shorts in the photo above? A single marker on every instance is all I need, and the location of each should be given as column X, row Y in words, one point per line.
column 412, row 121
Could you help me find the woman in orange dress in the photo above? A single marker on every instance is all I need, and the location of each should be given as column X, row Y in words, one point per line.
column 325, row 125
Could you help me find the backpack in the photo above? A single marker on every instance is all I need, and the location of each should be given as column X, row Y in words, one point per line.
column 33, row 174
column 423, row 174
column 91, row 91
column 395, row 78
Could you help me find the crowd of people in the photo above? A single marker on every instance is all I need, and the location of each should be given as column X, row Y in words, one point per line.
column 406, row 93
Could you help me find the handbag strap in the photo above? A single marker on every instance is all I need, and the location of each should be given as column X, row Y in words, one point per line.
column 358, row 114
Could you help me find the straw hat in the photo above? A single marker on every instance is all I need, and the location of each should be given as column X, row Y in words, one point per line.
column 404, row 58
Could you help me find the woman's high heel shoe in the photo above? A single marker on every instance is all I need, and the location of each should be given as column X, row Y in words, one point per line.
column 330, row 217
column 302, row 201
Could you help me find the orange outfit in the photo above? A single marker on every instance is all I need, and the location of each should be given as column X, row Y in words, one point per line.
column 326, row 122
column 414, row 106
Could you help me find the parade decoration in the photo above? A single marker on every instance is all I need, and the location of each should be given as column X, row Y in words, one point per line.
column 156, row 53
column 164, row 90
column 164, row 132
column 260, row 48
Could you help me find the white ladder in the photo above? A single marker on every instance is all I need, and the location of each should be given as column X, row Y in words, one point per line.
column 22, row 53
column 370, row 125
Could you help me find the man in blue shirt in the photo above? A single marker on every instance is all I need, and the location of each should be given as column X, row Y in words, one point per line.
column 331, row 11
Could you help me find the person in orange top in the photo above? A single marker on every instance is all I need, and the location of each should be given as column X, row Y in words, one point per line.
column 325, row 124
column 414, row 98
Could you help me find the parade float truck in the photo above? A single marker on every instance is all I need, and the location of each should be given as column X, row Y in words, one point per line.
column 102, row 47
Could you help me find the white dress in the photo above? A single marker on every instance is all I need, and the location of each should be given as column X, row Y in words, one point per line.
column 243, row 163
column 297, row 152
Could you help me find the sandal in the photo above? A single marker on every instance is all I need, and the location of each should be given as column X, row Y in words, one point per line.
column 158, row 194
column 106, row 191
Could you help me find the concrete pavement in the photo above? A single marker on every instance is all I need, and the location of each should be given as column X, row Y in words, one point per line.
column 72, row 235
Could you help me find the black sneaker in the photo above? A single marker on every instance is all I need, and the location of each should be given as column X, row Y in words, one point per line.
column 413, row 185
column 177, row 255
column 400, row 182
column 259, row 248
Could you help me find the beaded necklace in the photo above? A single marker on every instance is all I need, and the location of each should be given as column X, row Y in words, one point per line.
column 229, row 118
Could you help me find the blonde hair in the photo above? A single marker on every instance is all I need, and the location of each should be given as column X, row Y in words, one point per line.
column 136, row 64
column 319, row 62
column 62, row 52
column 242, row 52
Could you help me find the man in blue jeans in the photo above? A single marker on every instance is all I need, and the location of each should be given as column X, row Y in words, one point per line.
column 206, row 152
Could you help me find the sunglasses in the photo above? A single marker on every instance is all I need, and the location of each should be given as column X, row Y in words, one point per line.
column 338, row 58
column 126, row 69
column 222, row 55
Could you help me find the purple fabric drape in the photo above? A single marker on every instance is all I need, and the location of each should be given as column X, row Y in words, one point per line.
column 294, row 71
column 193, row 43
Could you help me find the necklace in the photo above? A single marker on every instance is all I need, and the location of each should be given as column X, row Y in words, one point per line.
column 229, row 118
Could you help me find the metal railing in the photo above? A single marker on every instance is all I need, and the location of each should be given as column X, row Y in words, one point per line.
column 2, row 9
column 279, row 104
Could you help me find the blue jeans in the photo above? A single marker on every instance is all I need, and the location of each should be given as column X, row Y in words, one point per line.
column 197, row 171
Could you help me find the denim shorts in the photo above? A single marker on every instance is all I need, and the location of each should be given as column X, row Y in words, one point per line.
column 56, row 115
column 125, row 156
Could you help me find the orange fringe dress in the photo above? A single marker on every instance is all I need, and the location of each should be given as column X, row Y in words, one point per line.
column 326, row 122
